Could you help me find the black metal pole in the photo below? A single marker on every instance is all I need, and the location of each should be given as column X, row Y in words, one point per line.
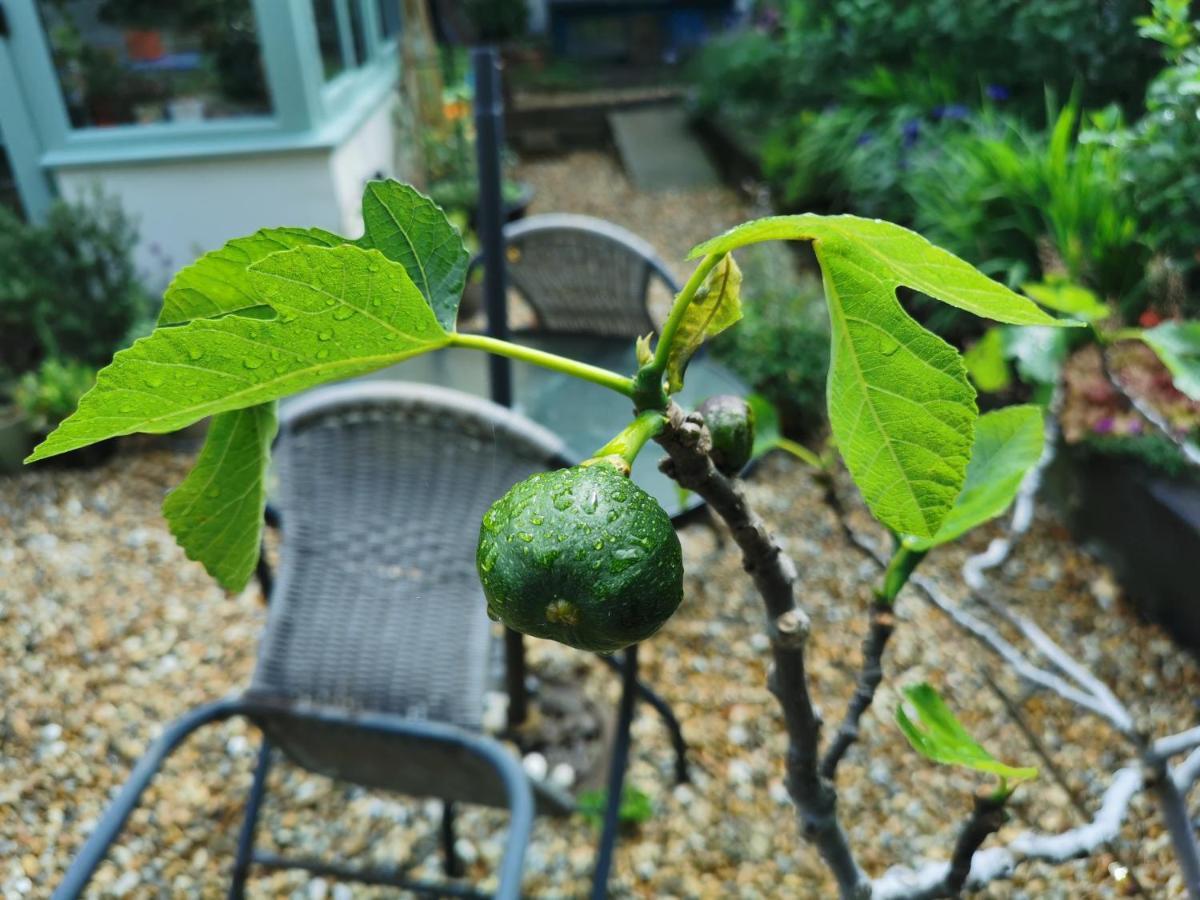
column 489, row 138
column 616, row 773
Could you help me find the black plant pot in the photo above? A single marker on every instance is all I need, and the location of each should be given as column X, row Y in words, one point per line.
column 1144, row 524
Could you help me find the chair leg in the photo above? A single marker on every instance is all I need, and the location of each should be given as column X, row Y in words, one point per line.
column 616, row 774
column 663, row 708
column 245, row 848
column 451, row 864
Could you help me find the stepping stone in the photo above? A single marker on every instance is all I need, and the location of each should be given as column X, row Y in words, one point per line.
column 659, row 151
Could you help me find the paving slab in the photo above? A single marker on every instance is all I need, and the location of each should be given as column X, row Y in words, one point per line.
column 659, row 151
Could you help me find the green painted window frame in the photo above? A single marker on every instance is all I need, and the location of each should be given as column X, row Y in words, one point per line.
column 308, row 114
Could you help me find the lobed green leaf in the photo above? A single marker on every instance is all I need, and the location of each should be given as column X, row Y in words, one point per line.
column 216, row 513
column 216, row 283
column 1178, row 346
column 409, row 228
column 716, row 305
column 1008, row 443
column 941, row 738
column 901, row 408
column 340, row 311
column 895, row 254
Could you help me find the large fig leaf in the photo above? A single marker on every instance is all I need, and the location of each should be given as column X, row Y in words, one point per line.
column 716, row 306
column 411, row 229
column 900, row 405
column 216, row 283
column 1008, row 442
column 340, row 311
column 216, row 513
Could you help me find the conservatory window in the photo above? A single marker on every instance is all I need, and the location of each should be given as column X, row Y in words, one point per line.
column 341, row 35
column 389, row 19
column 130, row 62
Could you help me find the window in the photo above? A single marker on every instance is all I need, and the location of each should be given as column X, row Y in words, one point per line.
column 358, row 36
column 126, row 62
column 329, row 37
column 389, row 18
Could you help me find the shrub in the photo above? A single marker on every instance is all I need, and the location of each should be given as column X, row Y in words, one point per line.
column 1027, row 203
column 68, row 288
column 51, row 393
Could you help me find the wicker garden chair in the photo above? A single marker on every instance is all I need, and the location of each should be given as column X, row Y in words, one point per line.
column 582, row 275
column 374, row 662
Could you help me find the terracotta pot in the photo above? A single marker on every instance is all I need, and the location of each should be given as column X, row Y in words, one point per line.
column 144, row 45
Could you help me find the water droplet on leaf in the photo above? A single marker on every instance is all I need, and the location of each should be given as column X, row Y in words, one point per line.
column 324, row 335
column 251, row 363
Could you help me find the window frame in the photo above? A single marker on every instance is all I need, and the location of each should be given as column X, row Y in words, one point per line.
column 307, row 112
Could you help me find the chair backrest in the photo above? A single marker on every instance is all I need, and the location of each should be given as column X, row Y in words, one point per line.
column 381, row 488
column 582, row 275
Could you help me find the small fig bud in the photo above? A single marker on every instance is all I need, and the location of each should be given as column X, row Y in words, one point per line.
column 730, row 422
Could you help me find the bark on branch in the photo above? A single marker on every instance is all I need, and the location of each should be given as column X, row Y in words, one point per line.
column 687, row 443
column 883, row 623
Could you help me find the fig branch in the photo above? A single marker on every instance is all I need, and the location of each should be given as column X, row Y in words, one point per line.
column 687, row 442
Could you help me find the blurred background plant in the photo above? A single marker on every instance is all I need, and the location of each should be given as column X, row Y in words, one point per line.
column 69, row 298
column 950, row 117
column 51, row 392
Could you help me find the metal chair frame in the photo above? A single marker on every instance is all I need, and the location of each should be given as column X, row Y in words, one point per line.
column 264, row 710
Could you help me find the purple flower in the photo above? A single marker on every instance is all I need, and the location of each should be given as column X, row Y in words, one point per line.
column 910, row 131
column 865, row 138
column 1104, row 426
column 997, row 92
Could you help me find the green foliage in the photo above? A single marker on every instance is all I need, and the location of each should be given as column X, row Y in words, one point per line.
column 716, row 306
column 900, row 405
column 1008, row 443
column 50, row 393
column 340, row 311
column 1164, row 151
column 1178, row 346
column 216, row 513
column 1016, row 199
column 940, row 737
column 407, row 228
column 868, row 52
column 636, row 807
column 68, row 287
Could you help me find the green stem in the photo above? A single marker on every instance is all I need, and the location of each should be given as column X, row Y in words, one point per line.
column 903, row 563
column 633, row 437
column 603, row 377
column 648, row 391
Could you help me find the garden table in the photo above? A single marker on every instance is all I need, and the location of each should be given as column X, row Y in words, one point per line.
column 583, row 415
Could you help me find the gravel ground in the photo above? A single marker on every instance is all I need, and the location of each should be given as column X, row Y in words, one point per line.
column 107, row 632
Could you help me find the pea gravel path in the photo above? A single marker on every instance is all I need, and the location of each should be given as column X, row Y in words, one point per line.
column 106, row 632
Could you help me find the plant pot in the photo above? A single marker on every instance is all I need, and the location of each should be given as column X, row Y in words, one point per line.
column 1143, row 523
column 15, row 439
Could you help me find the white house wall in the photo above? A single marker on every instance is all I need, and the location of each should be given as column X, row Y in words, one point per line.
column 367, row 154
column 184, row 208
